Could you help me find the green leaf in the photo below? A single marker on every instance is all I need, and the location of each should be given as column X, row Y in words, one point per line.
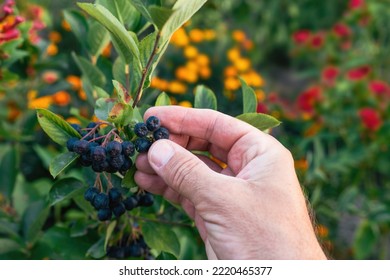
column 205, row 98
column 55, row 127
column 78, row 24
column 163, row 100
column 124, row 11
column 159, row 15
column 109, row 231
column 8, row 172
column 141, row 6
column 8, row 245
column 166, row 256
column 121, row 114
column 33, row 220
column 123, row 95
column 103, row 108
column 165, row 241
column 90, row 72
column 101, row 93
column 258, row 120
column 96, row 251
column 61, row 162
column 65, row 189
column 366, row 237
column 183, row 11
column 97, row 38
column 249, row 98
column 128, row 181
column 125, row 43
column 118, row 71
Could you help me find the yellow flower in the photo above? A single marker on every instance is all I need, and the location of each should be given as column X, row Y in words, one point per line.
column 65, row 25
column 52, row 49
column 75, row 81
column 42, row 102
column 232, row 83
column 233, row 54
column 230, row 71
column 260, row 95
column 185, row 103
column 209, row 34
column 181, row 73
column 32, row 94
column 190, row 52
column 73, row 120
column 192, row 66
column 196, row 35
column 253, row 79
column 160, row 84
column 242, row 64
column 55, row 37
column 202, row 60
column 238, row 35
column 205, row 72
column 61, row 98
column 177, row 87
column 180, row 38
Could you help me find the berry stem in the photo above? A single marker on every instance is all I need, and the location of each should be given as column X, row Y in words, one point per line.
column 146, row 70
column 108, row 178
column 98, row 182
column 92, row 130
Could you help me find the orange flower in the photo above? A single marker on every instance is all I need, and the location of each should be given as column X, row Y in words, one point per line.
column 185, row 103
column 73, row 120
column 61, row 98
column 65, row 25
column 205, row 72
column 239, row 36
column 233, row 54
column 196, row 35
column 190, row 52
column 230, row 71
column 177, row 87
column 52, row 49
column 82, row 94
column 107, row 50
column 260, row 95
column 322, row 231
column 42, row 102
column 209, row 34
column 75, row 81
column 242, row 64
column 180, row 38
column 202, row 60
column 55, row 37
column 232, row 83
column 301, row 164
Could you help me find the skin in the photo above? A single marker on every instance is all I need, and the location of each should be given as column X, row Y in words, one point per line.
column 252, row 209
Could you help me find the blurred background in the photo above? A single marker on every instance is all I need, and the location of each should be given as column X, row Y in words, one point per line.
column 320, row 67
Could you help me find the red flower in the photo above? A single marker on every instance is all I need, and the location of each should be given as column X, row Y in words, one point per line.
column 356, row 4
column 329, row 75
column 370, row 118
column 301, row 37
column 317, row 40
column 379, row 88
column 341, row 30
column 358, row 73
column 308, row 99
column 261, row 108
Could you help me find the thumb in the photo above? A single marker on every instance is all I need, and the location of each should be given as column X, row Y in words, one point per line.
column 183, row 171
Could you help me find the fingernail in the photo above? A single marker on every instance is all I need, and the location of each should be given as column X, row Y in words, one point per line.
column 160, row 153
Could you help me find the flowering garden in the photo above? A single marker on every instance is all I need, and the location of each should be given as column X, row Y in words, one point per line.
column 320, row 69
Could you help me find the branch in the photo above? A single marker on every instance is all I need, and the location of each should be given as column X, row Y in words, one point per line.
column 146, row 70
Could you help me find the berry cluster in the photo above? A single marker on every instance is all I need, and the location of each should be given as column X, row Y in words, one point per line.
column 137, row 248
column 149, row 132
column 114, row 203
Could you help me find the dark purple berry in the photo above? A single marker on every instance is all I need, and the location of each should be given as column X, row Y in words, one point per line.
column 130, row 203
column 134, row 250
column 70, row 143
column 142, row 145
column 99, row 154
column 115, row 196
column 141, row 130
column 85, row 159
column 161, row 133
column 91, row 125
column 153, row 123
column 116, row 252
column 100, row 201
column 114, row 148
column 128, row 148
column 80, row 146
column 116, row 162
column 90, row 193
column 76, row 127
column 146, row 200
column 104, row 214
column 118, row 210
column 99, row 166
column 127, row 164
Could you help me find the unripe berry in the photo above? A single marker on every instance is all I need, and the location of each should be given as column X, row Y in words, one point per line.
column 153, row 123
column 141, row 130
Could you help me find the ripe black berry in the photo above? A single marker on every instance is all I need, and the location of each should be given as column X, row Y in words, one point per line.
column 100, row 201
column 118, row 209
column 80, row 146
column 116, row 162
column 115, row 196
column 146, row 200
column 128, row 148
column 142, row 145
column 141, row 130
column 90, row 193
column 127, row 164
column 116, row 252
column 161, row 133
column 99, row 154
column 104, row 214
column 85, row 159
column 70, row 143
column 76, row 127
column 134, row 250
column 114, row 148
column 153, row 123
column 130, row 203
column 99, row 166
column 91, row 125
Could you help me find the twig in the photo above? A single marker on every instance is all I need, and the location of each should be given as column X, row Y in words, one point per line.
column 146, row 70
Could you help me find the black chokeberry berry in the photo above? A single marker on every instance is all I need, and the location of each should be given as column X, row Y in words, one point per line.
column 76, row 126
column 141, row 130
column 100, row 201
column 104, row 214
column 127, row 164
column 85, row 159
column 134, row 250
column 142, row 145
column 91, row 125
column 99, row 154
column 116, row 252
column 80, row 146
column 130, row 203
column 99, row 166
column 114, row 148
column 90, row 193
column 153, row 123
column 146, row 200
column 115, row 196
column 128, row 148
column 117, row 161
column 118, row 209
column 70, row 143
column 161, row 133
